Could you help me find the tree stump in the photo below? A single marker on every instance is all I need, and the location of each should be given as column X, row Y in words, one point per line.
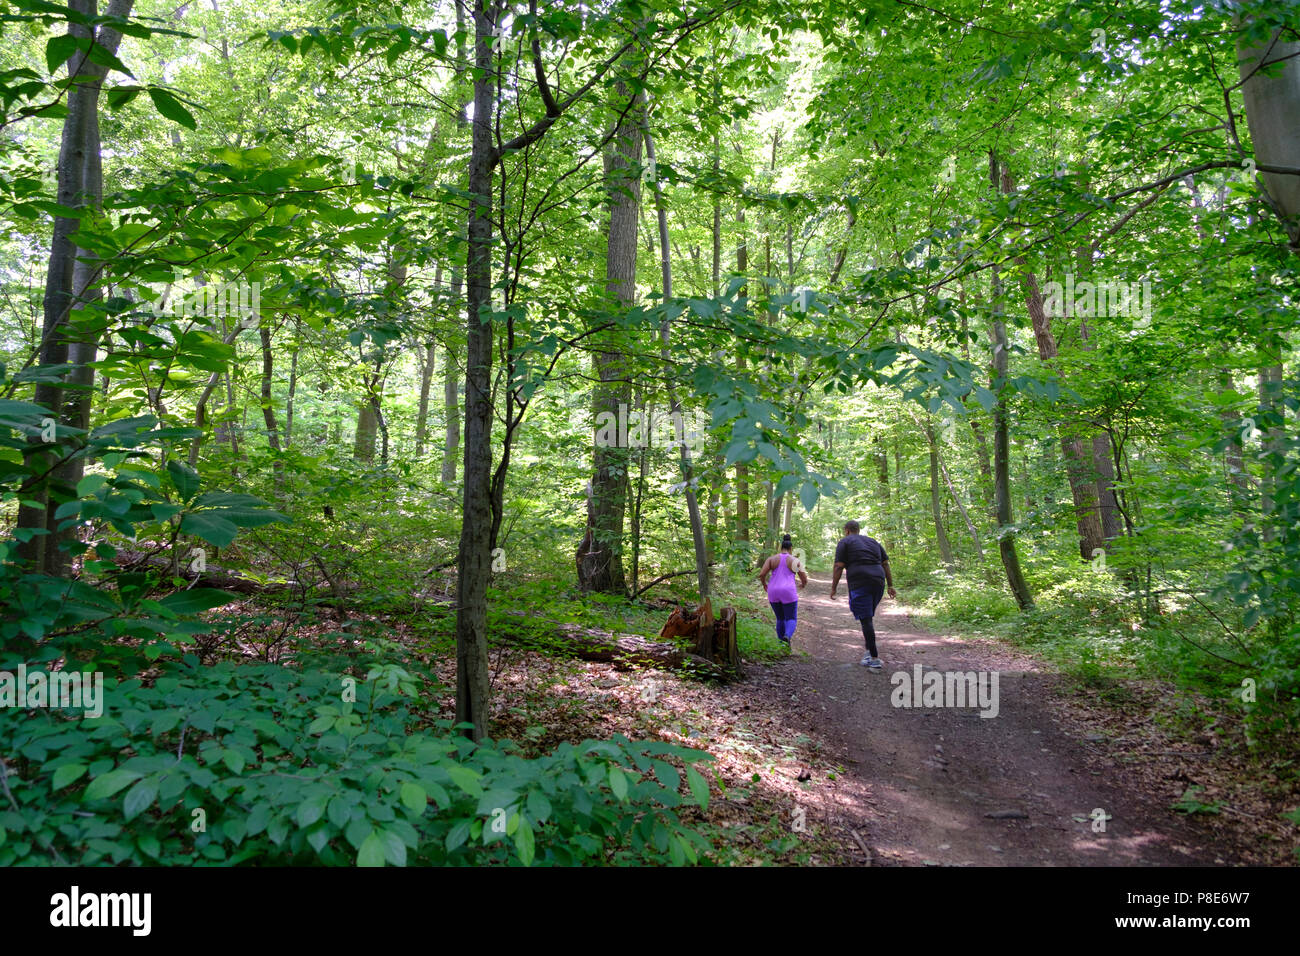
column 726, row 652
column 714, row 639
column 704, row 636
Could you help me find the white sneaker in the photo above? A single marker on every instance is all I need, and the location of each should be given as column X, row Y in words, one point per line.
column 875, row 664
column 866, row 661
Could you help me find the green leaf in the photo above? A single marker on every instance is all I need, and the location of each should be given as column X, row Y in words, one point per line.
column 185, row 478
column 466, row 779
column 59, row 49
column 110, row 783
column 457, row 835
column 99, row 54
column 311, row 810
column 140, row 797
column 525, row 844
column 66, row 774
column 618, row 783
column 414, row 797
column 213, row 530
column 699, row 787
column 170, row 107
column 394, row 848
column 808, row 495
column 372, row 851
column 197, row 599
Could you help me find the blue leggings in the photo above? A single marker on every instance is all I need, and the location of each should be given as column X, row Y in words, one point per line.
column 785, row 618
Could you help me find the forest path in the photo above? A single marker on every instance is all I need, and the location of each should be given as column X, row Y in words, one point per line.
column 927, row 777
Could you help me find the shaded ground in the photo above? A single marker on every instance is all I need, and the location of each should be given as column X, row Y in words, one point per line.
column 921, row 783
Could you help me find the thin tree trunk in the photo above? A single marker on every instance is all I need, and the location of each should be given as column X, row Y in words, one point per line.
column 473, row 561
column 638, row 498
column 1075, row 444
column 936, row 499
column 965, row 516
column 742, row 469
column 451, row 406
column 688, row 477
column 293, row 386
column 428, row 359
column 268, row 409
column 1001, row 439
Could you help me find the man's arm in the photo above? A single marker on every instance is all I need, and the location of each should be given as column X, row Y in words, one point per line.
column 889, row 578
column 839, row 569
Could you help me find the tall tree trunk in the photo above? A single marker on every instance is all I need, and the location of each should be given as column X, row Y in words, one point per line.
column 1238, row 485
column 1103, row 464
column 742, row 469
column 268, row 374
column 603, row 567
column 1001, row 437
column 473, row 560
column 71, row 279
column 688, row 476
column 293, row 386
column 1273, row 442
column 451, row 406
column 367, row 433
column 1075, row 443
column 965, row 516
column 428, row 359
column 638, row 497
column 1272, row 99
column 936, row 499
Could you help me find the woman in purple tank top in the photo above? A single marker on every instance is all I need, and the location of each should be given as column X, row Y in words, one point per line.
column 782, row 592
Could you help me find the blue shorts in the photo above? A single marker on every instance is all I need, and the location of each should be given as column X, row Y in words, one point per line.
column 864, row 601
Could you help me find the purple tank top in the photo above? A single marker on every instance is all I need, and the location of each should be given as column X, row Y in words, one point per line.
column 780, row 586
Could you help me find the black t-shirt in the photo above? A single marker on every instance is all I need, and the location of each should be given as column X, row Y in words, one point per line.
column 861, row 557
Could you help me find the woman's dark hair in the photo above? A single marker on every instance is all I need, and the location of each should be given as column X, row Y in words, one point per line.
column 785, row 542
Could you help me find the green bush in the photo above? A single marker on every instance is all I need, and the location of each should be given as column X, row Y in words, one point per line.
column 265, row 764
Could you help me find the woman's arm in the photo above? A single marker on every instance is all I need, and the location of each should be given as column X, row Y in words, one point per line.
column 762, row 575
column 803, row 578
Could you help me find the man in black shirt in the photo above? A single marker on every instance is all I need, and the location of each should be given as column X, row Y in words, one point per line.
column 867, row 565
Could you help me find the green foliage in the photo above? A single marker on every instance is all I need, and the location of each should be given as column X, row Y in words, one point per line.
column 260, row 764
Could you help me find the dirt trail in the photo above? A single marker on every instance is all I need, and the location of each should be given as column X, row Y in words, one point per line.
column 927, row 778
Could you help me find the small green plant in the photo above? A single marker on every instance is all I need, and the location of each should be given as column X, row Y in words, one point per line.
column 1190, row 802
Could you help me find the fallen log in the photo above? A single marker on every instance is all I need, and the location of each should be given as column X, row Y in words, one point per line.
column 211, row 576
column 630, row 650
column 624, row 651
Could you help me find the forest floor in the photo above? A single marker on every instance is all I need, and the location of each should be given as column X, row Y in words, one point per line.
column 813, row 764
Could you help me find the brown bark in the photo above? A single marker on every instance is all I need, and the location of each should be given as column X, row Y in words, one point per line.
column 688, row 470
column 1001, row 439
column 1075, row 443
column 613, row 394
column 71, row 279
column 473, row 562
